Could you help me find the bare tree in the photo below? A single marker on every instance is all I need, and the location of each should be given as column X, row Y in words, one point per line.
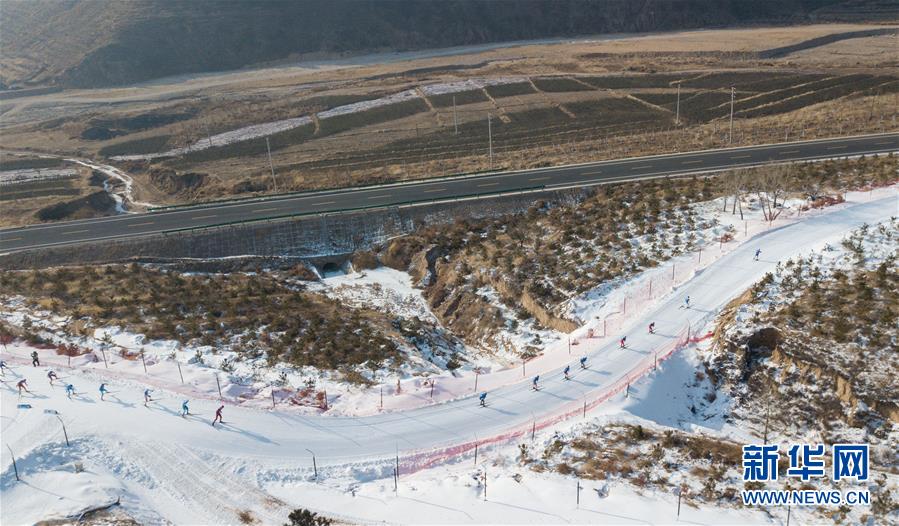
column 769, row 187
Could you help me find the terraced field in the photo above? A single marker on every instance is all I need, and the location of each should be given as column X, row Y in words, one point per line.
column 566, row 110
column 374, row 133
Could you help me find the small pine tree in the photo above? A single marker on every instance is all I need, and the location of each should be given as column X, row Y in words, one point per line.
column 304, row 517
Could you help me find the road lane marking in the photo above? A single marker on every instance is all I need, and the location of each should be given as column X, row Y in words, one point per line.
column 837, row 147
column 591, row 173
column 641, row 167
column 203, row 217
column 487, row 184
column 379, row 196
column 323, row 203
column 11, row 239
column 75, row 232
column 543, row 178
column 140, row 224
column 692, row 162
column 740, row 156
column 266, row 209
column 884, row 142
column 787, row 152
column 433, row 191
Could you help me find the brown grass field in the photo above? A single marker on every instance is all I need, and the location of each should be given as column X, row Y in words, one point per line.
column 584, row 100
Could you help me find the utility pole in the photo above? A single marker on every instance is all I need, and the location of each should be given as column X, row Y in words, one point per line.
column 677, row 111
column 490, row 140
column 455, row 122
column 730, row 138
column 268, row 148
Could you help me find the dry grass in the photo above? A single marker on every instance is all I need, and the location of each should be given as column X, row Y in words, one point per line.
column 225, row 101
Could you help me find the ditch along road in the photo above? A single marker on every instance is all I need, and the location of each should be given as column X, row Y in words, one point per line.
column 280, row 443
column 208, row 215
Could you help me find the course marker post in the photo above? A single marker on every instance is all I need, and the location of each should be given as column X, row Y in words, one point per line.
column 14, row 467
column 64, row 433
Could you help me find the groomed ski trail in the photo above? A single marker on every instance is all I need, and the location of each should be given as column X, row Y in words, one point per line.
column 275, row 443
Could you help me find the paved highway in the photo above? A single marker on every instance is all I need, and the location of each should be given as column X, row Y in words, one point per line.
column 133, row 225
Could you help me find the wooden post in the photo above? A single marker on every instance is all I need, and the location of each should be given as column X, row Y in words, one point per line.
column 143, row 361
column 64, row 433
column 477, row 372
column 485, row 483
column 534, row 429
column 219, row 385
column 16, row 468
column 179, row 371
column 382, row 398
column 432, row 388
column 679, row 493
column 273, row 397
column 476, row 453
column 585, row 408
column 103, row 351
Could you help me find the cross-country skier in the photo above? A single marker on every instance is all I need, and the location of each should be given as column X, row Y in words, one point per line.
column 535, row 386
column 652, row 328
column 184, row 409
column 622, row 342
column 70, row 391
column 218, row 415
column 35, row 361
column 103, row 391
column 52, row 376
column 483, row 399
column 3, row 368
column 687, row 302
column 566, row 372
column 147, row 396
column 23, row 386
column 583, row 362
column 758, row 252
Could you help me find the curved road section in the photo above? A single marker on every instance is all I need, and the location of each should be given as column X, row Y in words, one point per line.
column 213, row 214
column 279, row 440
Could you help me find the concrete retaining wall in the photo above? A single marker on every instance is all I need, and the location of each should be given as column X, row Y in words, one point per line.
column 317, row 239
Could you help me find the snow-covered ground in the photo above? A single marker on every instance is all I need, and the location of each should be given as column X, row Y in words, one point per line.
column 256, row 131
column 10, row 177
column 123, row 197
column 183, row 470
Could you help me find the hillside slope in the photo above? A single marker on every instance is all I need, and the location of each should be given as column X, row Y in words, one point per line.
column 91, row 43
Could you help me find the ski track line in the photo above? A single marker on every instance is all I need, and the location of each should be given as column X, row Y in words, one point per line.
column 280, row 438
column 211, row 495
